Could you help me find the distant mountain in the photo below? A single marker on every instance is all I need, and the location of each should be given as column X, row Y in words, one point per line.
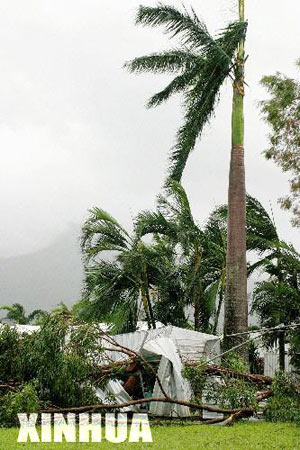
column 44, row 278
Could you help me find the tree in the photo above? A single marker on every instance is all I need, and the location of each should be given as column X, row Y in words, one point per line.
column 198, row 251
column 277, row 300
column 236, row 305
column 261, row 236
column 16, row 313
column 282, row 112
column 174, row 221
column 203, row 63
column 123, row 273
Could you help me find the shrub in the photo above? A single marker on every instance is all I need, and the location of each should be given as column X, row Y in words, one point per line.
column 51, row 365
column 12, row 403
column 284, row 406
column 224, row 391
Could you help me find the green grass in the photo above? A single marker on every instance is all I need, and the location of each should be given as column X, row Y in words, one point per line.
column 241, row 436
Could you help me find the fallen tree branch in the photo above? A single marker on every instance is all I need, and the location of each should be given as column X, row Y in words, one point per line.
column 209, row 370
column 264, row 395
column 218, row 370
column 100, row 407
column 229, row 421
column 234, row 414
column 133, row 353
column 10, row 387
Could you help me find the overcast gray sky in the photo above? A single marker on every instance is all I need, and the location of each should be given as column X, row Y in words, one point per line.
column 74, row 131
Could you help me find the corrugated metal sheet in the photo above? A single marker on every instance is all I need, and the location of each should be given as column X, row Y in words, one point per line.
column 271, row 363
column 173, row 346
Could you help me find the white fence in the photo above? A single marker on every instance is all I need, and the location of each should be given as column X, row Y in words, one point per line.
column 271, row 363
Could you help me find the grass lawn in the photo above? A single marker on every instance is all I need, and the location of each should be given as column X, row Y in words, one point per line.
column 242, row 436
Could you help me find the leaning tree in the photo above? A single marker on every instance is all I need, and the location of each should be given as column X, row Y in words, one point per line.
column 175, row 222
column 126, row 278
column 202, row 63
column 16, row 313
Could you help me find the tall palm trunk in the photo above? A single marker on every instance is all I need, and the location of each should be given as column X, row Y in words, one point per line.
column 236, row 307
column 145, row 295
column 151, row 315
column 197, row 291
column 281, row 351
column 221, row 297
column 146, row 306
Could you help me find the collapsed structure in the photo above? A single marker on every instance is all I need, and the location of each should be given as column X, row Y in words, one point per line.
column 167, row 348
column 143, row 371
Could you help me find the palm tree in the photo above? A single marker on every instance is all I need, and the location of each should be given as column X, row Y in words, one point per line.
column 273, row 299
column 215, row 233
column 202, row 64
column 277, row 300
column 262, row 238
column 123, row 273
column 236, row 305
column 16, row 314
column 174, row 221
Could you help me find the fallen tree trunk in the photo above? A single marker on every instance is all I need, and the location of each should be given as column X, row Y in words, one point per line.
column 234, row 414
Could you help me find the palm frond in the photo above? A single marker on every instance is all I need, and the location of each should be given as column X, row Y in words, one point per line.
column 102, row 232
column 261, row 231
column 261, row 263
column 191, row 30
column 169, row 61
column 201, row 99
column 177, row 85
column 198, row 113
column 148, row 222
column 203, row 65
column 210, row 297
column 174, row 203
column 175, row 190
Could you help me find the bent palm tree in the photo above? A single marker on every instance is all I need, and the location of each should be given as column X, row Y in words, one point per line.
column 111, row 286
column 118, row 283
column 274, row 300
column 202, row 64
column 16, row 313
column 174, row 221
column 277, row 300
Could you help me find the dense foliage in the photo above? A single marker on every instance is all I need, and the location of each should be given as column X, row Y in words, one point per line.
column 284, row 405
column 47, row 367
column 170, row 263
column 282, row 113
column 126, row 277
column 225, row 391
